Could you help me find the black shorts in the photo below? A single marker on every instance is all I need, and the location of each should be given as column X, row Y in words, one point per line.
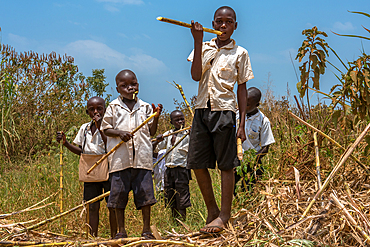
column 213, row 138
column 140, row 181
column 94, row 189
column 176, row 187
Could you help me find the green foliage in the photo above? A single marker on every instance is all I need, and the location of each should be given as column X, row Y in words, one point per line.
column 315, row 49
column 41, row 94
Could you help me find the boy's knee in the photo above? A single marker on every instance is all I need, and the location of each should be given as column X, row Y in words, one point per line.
column 94, row 207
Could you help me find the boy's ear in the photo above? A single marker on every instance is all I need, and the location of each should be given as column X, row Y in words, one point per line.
column 87, row 112
column 258, row 104
column 236, row 25
column 213, row 24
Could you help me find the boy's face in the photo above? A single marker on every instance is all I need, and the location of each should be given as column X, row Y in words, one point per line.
column 95, row 108
column 252, row 105
column 127, row 85
column 177, row 119
column 225, row 22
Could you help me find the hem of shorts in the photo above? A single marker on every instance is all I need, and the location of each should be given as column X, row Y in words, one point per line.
column 143, row 168
column 150, row 203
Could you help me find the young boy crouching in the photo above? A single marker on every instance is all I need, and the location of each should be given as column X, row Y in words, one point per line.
column 131, row 164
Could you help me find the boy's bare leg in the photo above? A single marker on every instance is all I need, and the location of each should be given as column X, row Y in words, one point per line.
column 112, row 222
column 94, row 218
column 205, row 185
column 120, row 217
column 227, row 187
column 146, row 218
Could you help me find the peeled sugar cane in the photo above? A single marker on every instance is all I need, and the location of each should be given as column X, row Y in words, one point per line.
column 184, row 24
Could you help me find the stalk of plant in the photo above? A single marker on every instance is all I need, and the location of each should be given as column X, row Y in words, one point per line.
column 343, row 159
column 119, row 144
column 178, row 86
column 330, row 139
column 317, row 160
column 61, row 181
column 172, row 148
column 175, row 132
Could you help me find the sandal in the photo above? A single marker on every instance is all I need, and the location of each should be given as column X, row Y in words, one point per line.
column 120, row 235
column 147, row 235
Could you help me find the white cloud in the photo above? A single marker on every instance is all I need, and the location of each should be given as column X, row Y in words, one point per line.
column 90, row 53
column 19, row 41
column 111, row 8
column 338, row 26
column 133, row 2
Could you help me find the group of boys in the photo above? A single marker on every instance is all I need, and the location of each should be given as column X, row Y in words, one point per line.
column 217, row 65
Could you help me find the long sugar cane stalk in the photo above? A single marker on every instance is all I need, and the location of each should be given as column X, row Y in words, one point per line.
column 349, row 217
column 184, row 24
column 52, row 244
column 179, row 87
column 174, row 133
column 169, row 150
column 61, row 182
column 3, row 216
column 330, row 139
column 342, row 160
column 317, row 160
column 119, row 144
column 154, row 241
column 41, row 223
column 20, row 243
column 113, row 242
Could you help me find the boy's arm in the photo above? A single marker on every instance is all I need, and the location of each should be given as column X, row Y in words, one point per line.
column 260, row 154
column 242, row 95
column 154, row 124
column 74, row 149
column 124, row 135
column 196, row 66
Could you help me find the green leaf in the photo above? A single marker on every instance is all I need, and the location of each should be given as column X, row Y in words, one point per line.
column 336, row 116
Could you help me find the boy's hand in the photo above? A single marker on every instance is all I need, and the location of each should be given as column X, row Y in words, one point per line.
column 241, row 134
column 61, row 137
column 159, row 138
column 157, row 109
column 197, row 31
column 125, row 136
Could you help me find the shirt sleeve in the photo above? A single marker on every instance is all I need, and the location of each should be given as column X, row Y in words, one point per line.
column 149, row 112
column 244, row 67
column 80, row 136
column 107, row 122
column 266, row 136
column 163, row 144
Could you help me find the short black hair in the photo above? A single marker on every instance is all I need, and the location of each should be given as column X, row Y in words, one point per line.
column 225, row 7
column 254, row 93
column 126, row 72
column 176, row 111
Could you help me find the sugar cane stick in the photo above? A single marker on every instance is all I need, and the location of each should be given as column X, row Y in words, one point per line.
column 20, row 243
column 184, row 24
column 119, row 144
column 173, row 133
column 169, row 150
column 41, row 223
column 317, row 160
column 239, row 148
column 179, row 87
column 330, row 139
column 61, row 181
column 342, row 160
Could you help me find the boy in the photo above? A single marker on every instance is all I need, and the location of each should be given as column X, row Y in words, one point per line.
column 131, row 164
column 91, row 140
column 259, row 136
column 176, row 179
column 217, row 65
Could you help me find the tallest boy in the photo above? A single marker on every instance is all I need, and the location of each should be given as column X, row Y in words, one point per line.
column 217, row 65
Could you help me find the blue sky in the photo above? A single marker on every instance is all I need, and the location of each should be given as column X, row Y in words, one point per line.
column 119, row 34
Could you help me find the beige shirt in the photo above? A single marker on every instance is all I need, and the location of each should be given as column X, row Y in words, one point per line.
column 221, row 69
column 119, row 117
column 177, row 157
column 94, row 143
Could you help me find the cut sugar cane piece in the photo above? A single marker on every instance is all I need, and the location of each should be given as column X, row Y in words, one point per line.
column 239, row 148
column 119, row 144
column 184, row 24
column 134, row 95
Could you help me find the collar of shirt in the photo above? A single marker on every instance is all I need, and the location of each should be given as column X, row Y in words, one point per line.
column 212, row 43
column 253, row 117
column 136, row 107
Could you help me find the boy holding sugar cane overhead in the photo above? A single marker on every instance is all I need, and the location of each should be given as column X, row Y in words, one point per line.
column 91, row 145
column 131, row 164
column 176, row 179
column 217, row 65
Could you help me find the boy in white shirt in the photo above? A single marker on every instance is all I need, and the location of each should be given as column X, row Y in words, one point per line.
column 259, row 136
column 131, row 164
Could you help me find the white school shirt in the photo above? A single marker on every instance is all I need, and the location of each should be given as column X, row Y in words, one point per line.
column 258, row 132
column 94, row 143
column 221, row 69
column 177, row 157
column 159, row 171
column 119, row 117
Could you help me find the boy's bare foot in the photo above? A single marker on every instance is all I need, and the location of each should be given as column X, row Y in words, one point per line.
column 214, row 227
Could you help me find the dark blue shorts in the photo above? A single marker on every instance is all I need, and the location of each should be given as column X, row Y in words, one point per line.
column 94, row 189
column 176, row 187
column 213, row 138
column 140, row 181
